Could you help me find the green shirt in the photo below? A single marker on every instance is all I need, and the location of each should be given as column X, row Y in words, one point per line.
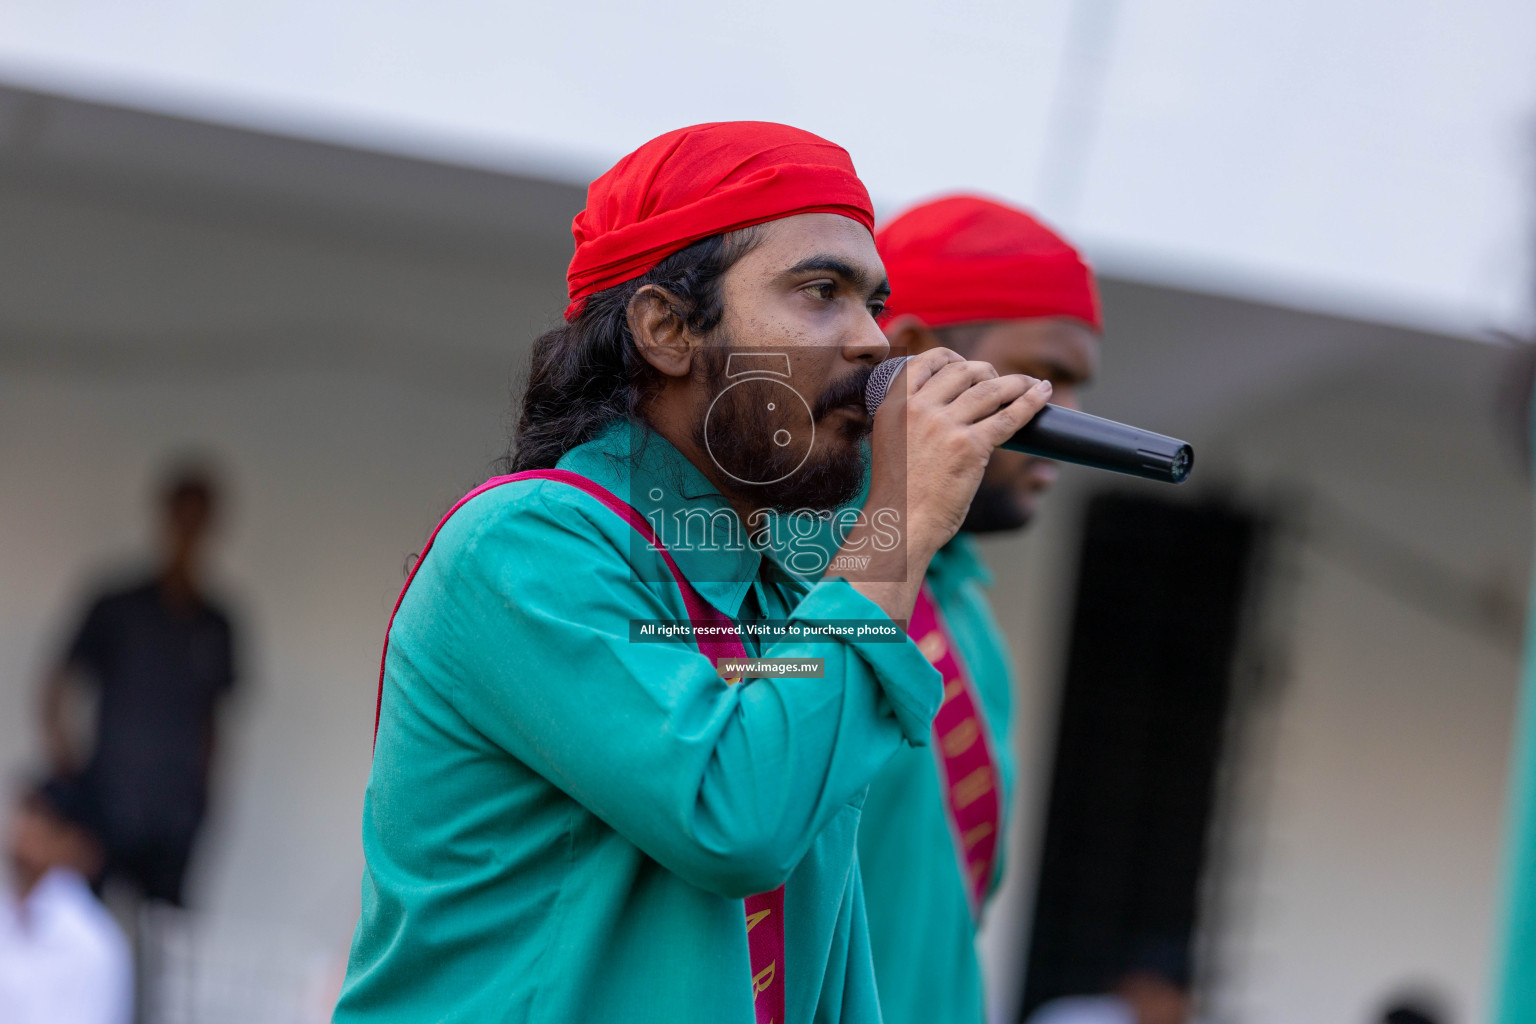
column 922, row 932
column 920, row 923
column 561, row 824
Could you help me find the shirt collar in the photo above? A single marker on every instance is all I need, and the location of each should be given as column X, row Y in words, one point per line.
column 698, row 526
column 58, row 887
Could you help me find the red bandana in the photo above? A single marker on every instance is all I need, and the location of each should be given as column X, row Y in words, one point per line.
column 963, row 259
column 706, row 180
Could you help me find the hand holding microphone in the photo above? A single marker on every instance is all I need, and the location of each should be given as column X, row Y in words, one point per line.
column 1068, row 435
column 952, row 414
column 929, row 450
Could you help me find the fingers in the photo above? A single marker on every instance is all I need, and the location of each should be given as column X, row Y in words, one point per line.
column 921, row 367
column 1007, row 421
column 952, row 380
column 988, row 396
column 971, row 394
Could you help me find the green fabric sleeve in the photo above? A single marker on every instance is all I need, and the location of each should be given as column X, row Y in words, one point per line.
column 726, row 786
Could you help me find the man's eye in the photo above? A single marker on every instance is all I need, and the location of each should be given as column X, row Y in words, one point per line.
column 825, row 290
column 877, row 310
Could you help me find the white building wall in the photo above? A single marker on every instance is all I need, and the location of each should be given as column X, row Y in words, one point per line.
column 352, row 386
column 335, row 478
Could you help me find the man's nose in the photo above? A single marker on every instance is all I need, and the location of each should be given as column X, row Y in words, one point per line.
column 866, row 343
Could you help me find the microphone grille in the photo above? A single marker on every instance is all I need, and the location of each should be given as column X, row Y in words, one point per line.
column 880, row 382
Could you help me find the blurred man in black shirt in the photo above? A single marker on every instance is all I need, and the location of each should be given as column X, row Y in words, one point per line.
column 161, row 655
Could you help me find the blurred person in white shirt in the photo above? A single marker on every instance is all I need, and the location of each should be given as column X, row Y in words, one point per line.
column 1153, row 988
column 63, row 959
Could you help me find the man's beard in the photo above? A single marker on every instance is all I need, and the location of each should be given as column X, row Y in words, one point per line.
column 741, row 431
column 995, row 509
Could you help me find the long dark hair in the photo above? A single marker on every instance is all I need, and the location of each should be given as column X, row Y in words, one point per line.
column 588, row 373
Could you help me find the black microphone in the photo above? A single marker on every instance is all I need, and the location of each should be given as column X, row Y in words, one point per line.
column 1071, row 436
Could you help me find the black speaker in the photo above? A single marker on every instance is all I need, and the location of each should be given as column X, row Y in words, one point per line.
column 1155, row 626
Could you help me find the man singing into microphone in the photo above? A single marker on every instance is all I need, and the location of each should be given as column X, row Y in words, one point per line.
column 992, row 283
column 564, row 824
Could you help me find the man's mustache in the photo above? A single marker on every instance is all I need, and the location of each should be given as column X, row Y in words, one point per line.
column 847, row 390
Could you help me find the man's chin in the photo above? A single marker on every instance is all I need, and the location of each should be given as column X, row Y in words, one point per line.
column 995, row 510
column 827, row 478
column 824, row 488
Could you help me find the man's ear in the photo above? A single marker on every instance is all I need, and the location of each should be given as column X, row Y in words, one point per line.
column 907, row 333
column 661, row 336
